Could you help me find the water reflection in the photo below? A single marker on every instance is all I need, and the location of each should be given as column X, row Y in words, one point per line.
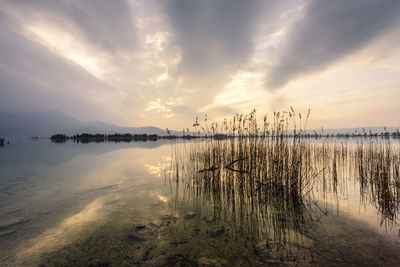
column 119, row 204
column 66, row 232
column 46, row 205
column 272, row 196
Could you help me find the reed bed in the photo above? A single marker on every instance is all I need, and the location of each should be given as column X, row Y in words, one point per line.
column 269, row 184
column 378, row 169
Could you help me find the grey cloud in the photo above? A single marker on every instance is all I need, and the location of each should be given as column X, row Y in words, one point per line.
column 33, row 78
column 329, row 31
column 105, row 24
column 213, row 35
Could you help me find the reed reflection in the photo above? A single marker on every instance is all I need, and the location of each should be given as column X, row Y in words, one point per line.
column 270, row 193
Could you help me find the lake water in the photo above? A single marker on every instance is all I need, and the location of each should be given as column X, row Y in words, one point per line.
column 115, row 204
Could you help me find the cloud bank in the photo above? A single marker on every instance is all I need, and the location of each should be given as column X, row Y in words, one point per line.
column 213, row 35
column 329, row 31
column 108, row 25
column 31, row 77
column 163, row 62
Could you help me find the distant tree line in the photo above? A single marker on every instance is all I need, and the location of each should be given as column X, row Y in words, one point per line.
column 117, row 137
column 86, row 137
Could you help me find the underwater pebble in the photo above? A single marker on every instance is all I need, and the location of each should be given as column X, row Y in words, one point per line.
column 46, row 212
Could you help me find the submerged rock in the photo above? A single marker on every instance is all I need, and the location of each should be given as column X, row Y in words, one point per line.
column 144, row 232
column 15, row 211
column 217, row 231
column 6, row 233
column 167, row 217
column 139, row 237
column 189, row 215
column 140, row 226
column 209, row 220
column 12, row 222
column 46, row 212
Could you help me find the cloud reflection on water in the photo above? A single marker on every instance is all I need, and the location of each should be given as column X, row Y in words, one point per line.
column 66, row 232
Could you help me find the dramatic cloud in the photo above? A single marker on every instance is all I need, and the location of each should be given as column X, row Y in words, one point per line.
column 31, row 77
column 164, row 62
column 213, row 35
column 108, row 25
column 329, row 31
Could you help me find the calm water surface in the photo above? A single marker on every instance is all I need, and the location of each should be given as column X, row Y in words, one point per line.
column 107, row 204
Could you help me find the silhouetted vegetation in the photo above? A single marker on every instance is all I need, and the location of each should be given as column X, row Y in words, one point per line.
column 266, row 186
column 235, row 128
column 86, row 138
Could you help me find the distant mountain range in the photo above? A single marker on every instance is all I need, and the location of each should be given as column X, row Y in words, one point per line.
column 44, row 124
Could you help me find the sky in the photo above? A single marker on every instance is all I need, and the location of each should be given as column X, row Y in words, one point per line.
column 165, row 62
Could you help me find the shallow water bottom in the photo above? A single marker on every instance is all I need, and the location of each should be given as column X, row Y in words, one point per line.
column 103, row 206
column 194, row 241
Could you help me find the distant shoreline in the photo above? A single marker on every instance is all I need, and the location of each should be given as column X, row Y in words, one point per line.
column 85, row 138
